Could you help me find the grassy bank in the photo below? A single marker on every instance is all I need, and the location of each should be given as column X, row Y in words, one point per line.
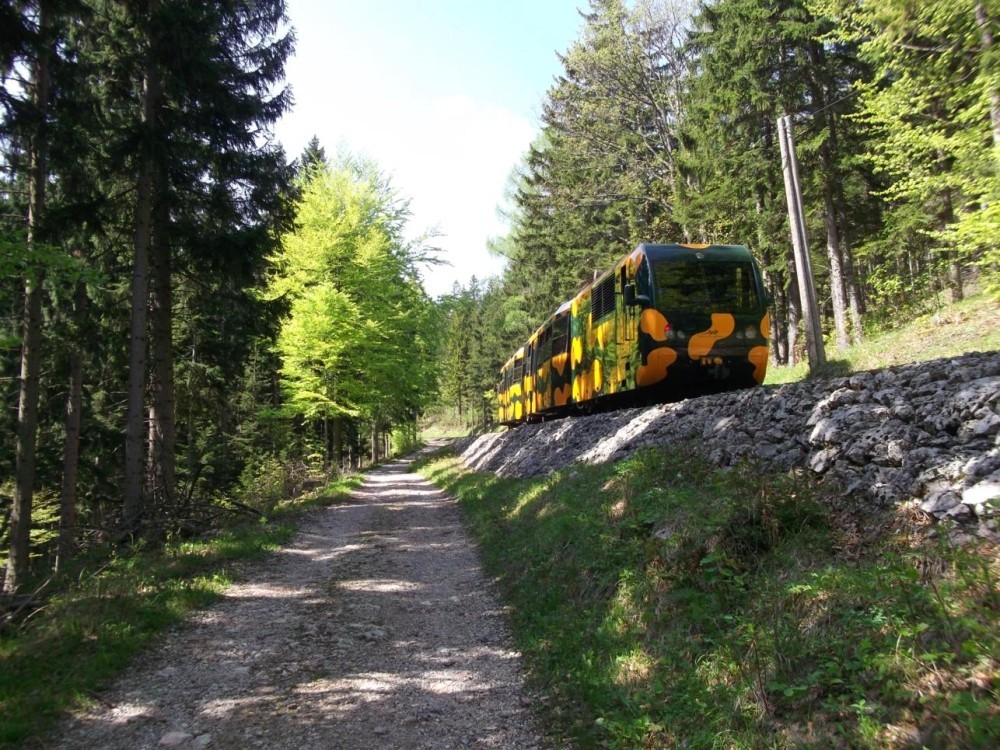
column 944, row 330
column 661, row 603
column 91, row 620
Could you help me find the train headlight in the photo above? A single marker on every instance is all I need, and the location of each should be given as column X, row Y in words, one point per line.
column 750, row 332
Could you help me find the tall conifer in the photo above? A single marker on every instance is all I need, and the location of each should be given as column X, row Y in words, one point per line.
column 36, row 137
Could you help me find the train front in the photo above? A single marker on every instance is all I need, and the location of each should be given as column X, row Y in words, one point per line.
column 704, row 323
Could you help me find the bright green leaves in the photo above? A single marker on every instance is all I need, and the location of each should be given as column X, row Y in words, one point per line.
column 357, row 339
column 930, row 106
column 315, row 345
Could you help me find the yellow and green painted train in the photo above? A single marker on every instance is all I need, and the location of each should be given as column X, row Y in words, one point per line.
column 667, row 321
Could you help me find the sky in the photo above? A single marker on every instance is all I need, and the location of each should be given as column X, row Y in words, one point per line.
column 444, row 95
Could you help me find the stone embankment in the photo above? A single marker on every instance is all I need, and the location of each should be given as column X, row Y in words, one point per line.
column 924, row 434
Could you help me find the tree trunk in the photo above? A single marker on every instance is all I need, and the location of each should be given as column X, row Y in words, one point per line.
column 133, row 503
column 837, row 295
column 161, row 466
column 31, row 330
column 986, row 34
column 955, row 284
column 192, row 459
column 953, row 260
column 71, row 451
column 338, row 442
column 327, row 444
column 832, row 195
column 793, row 317
column 779, row 334
column 855, row 301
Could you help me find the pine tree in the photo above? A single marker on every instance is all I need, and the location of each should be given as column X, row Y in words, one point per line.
column 603, row 175
column 194, row 181
column 757, row 61
column 313, row 157
column 36, row 136
column 196, row 91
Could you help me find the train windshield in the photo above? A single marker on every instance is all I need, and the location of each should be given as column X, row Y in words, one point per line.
column 690, row 285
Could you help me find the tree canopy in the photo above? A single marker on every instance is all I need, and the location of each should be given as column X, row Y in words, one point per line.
column 186, row 309
column 359, row 334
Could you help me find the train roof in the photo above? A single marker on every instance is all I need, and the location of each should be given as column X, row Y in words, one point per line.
column 675, row 251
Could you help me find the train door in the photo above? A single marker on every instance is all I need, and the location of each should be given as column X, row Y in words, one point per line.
column 603, row 339
column 529, row 380
column 581, row 349
column 624, row 319
column 517, row 387
column 561, row 371
column 543, row 383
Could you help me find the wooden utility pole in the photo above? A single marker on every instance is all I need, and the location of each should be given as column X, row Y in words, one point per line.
column 800, row 244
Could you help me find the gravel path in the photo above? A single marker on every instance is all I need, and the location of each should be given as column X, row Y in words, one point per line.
column 374, row 628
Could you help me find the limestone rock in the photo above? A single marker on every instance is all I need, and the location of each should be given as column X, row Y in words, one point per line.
column 927, row 432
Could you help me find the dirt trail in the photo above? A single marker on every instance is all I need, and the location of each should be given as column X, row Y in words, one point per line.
column 374, row 628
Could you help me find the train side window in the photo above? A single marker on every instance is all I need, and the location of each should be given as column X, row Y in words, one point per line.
column 644, row 279
column 545, row 345
column 560, row 335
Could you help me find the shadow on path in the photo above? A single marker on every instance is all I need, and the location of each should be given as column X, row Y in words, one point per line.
column 374, row 628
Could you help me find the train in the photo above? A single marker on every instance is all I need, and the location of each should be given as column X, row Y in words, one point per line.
column 667, row 321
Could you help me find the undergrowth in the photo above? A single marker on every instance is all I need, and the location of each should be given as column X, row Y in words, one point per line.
column 111, row 603
column 662, row 603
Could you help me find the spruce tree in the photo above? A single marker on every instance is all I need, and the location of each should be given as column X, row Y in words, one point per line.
column 313, row 157
column 180, row 99
column 756, row 61
column 35, row 133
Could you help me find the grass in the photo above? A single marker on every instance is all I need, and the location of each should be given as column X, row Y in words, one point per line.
column 435, row 430
column 947, row 330
column 661, row 603
column 444, row 421
column 111, row 605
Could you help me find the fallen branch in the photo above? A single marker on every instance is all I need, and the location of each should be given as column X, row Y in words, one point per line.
column 243, row 506
column 12, row 606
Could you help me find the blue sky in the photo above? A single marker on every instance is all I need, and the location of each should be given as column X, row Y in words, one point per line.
column 443, row 94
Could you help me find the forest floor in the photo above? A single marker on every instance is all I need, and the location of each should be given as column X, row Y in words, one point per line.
column 373, row 628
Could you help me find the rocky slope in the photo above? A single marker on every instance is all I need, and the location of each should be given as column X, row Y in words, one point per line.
column 924, row 434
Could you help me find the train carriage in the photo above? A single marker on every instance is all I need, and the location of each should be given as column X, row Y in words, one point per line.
column 665, row 322
column 510, row 390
